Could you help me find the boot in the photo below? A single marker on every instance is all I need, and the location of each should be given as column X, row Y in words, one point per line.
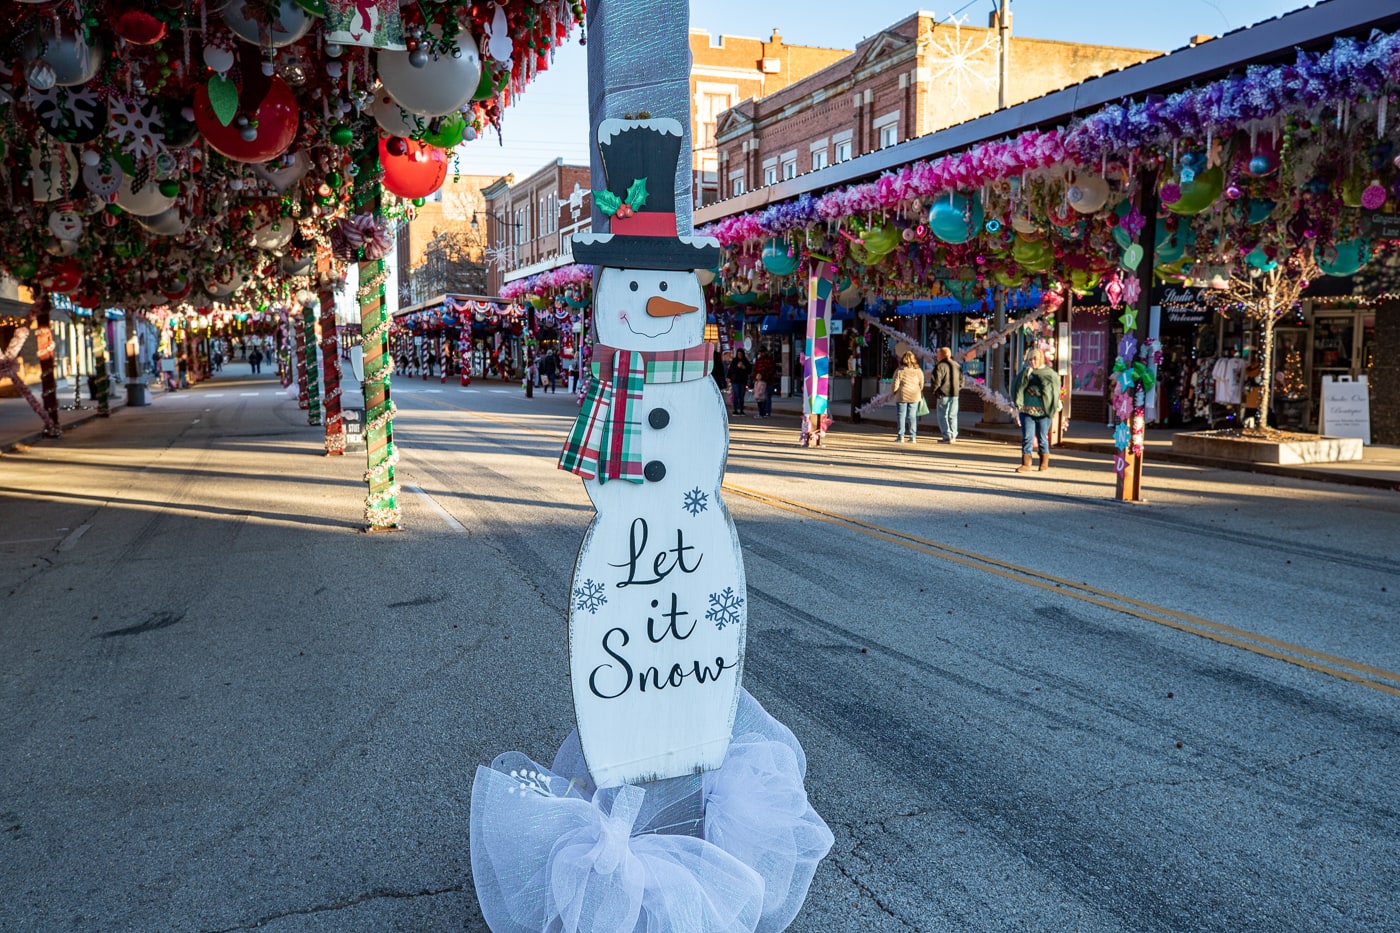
column 1025, row 466
column 1044, row 461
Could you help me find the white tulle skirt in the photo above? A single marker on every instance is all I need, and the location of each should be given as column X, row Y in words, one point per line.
column 552, row 854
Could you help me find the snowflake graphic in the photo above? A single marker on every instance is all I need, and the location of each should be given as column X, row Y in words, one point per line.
column 696, row 501
column 960, row 61
column 135, row 125
column 502, row 257
column 725, row 608
column 589, row 597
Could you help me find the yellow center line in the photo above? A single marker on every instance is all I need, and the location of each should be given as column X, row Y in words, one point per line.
column 1365, row 674
column 1320, row 662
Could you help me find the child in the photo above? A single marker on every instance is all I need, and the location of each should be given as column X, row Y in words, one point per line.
column 761, row 396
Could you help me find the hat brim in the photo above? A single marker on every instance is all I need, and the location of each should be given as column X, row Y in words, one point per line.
column 646, row 252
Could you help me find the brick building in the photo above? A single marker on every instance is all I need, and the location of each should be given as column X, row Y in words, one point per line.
column 727, row 69
column 915, row 77
column 529, row 222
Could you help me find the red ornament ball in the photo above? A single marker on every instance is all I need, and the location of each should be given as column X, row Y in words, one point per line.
column 139, row 27
column 417, row 172
column 396, row 145
column 64, row 276
column 276, row 119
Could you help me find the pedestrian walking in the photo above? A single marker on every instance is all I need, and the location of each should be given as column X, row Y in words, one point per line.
column 549, row 371
column 908, row 393
column 765, row 375
column 217, row 360
column 947, row 384
column 719, row 373
column 429, row 362
column 739, row 372
column 255, row 360
column 1036, row 394
column 182, row 368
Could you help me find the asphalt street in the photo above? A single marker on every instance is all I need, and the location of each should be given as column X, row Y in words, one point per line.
column 1024, row 706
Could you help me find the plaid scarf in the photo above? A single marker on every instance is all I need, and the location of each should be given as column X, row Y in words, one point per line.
column 606, row 439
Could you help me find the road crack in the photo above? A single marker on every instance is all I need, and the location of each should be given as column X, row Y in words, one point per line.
column 342, row 904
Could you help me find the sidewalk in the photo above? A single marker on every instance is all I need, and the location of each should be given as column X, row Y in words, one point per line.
column 20, row 426
column 1379, row 467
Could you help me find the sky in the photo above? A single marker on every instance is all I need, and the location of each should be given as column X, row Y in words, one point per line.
column 550, row 119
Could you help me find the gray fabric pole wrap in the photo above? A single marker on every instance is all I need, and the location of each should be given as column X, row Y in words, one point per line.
column 639, row 59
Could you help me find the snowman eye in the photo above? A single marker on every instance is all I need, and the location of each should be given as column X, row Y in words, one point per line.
column 633, row 286
column 663, row 286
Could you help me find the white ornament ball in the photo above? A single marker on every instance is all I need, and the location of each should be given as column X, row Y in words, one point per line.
column 145, row 202
column 431, row 85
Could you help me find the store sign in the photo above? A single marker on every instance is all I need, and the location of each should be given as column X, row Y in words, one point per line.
column 1182, row 305
column 1383, row 226
column 1346, row 408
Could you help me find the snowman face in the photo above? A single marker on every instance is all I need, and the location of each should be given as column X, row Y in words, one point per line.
column 66, row 224
column 649, row 309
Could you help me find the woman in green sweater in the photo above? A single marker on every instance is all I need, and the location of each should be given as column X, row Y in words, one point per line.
column 1037, row 396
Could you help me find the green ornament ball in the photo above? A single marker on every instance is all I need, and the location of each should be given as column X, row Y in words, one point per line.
column 419, row 202
column 170, row 188
column 342, row 135
column 114, row 209
column 334, row 179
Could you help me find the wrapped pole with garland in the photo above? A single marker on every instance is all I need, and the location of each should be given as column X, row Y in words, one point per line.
column 382, row 500
column 48, row 383
column 308, row 368
column 299, row 363
column 330, row 375
column 101, row 385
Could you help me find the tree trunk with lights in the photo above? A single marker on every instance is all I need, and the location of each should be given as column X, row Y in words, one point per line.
column 1264, row 296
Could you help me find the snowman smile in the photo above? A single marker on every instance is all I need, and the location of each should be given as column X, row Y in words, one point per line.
column 670, row 323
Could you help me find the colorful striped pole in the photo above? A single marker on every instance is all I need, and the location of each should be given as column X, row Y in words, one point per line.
column 308, row 363
column 330, row 375
column 298, row 362
column 382, row 500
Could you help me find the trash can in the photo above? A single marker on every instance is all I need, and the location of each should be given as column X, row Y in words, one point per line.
column 137, row 393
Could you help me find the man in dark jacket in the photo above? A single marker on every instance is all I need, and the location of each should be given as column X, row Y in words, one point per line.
column 947, row 383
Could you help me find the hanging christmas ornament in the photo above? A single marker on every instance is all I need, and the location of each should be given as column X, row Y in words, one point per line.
column 53, row 172
column 40, row 75
column 144, row 200
column 1087, row 193
column 73, row 60
column 135, row 125
column 66, row 224
column 285, row 172
column 267, row 25
column 271, row 231
column 417, row 173
column 63, row 277
column 139, row 27
column 393, row 119
column 169, row 222
column 103, row 176
column 370, row 23
column 71, row 115
column 274, row 125
column 432, row 83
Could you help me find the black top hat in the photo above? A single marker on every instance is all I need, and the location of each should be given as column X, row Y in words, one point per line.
column 640, row 158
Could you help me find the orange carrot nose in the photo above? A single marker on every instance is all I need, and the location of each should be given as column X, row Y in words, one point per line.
column 665, row 307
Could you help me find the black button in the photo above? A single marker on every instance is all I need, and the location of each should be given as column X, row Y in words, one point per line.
column 659, row 418
column 655, row 471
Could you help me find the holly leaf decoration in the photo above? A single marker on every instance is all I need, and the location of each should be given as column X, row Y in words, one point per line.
column 607, row 202
column 223, row 99
column 637, row 193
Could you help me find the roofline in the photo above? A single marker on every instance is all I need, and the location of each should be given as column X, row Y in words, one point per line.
column 1273, row 38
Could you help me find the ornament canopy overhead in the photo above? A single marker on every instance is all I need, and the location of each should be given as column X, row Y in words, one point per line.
column 155, row 142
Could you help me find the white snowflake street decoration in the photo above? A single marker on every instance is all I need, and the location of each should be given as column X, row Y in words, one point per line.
column 960, row 61
column 725, row 608
column 696, row 501
column 135, row 126
column 589, row 597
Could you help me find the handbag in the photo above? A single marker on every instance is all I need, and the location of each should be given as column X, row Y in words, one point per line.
column 923, row 406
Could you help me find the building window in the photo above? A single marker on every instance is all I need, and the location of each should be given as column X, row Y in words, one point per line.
column 736, row 186
column 770, row 174
column 843, row 151
column 819, row 159
column 889, row 135
column 789, row 169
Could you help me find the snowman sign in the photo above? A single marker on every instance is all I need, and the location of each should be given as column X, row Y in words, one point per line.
column 657, row 603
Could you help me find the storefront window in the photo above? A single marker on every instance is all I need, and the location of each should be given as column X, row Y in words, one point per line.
column 1087, row 360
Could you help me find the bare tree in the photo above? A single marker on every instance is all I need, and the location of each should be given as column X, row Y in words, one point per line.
column 453, row 261
column 1265, row 296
